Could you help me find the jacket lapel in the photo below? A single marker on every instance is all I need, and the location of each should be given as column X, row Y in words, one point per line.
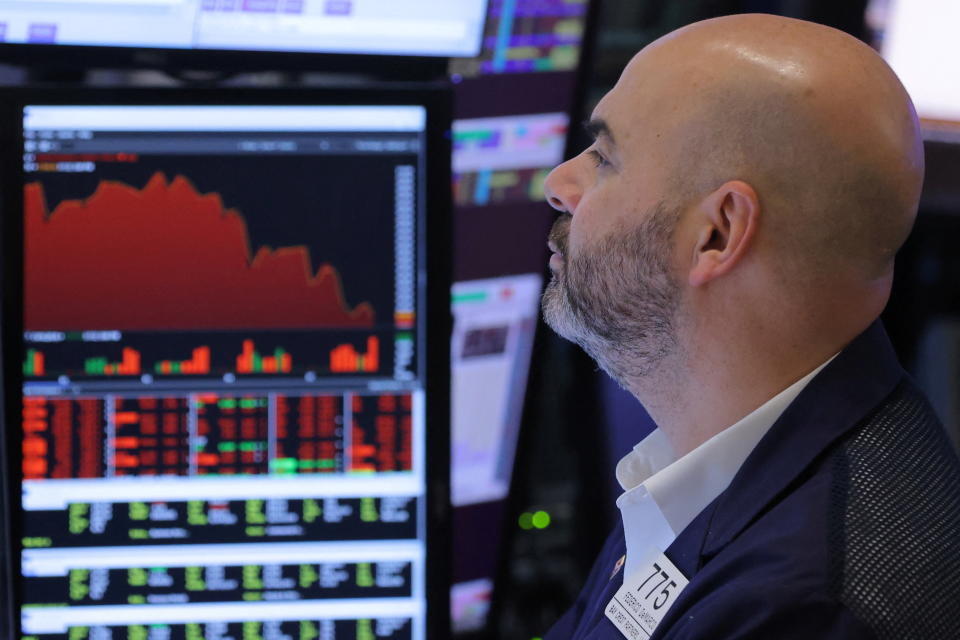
column 839, row 398
column 834, row 402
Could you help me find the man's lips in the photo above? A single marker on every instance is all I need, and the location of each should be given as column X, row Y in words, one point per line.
column 556, row 259
column 557, row 238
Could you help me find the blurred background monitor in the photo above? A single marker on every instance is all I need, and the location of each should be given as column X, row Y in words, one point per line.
column 918, row 38
column 493, row 331
column 205, row 32
column 513, row 105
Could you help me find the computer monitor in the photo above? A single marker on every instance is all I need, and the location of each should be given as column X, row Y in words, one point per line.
column 513, row 107
column 505, row 159
column 529, row 36
column 493, row 331
column 233, row 361
column 918, row 39
column 151, row 31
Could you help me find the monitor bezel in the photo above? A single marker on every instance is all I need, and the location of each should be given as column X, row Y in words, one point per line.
column 437, row 99
column 68, row 57
column 375, row 65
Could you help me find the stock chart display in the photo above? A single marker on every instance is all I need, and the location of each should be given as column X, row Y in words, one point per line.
column 203, row 280
column 223, row 415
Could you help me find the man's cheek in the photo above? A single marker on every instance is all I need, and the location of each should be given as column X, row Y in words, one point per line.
column 581, row 231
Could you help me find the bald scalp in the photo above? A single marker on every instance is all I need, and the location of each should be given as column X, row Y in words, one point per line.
column 810, row 117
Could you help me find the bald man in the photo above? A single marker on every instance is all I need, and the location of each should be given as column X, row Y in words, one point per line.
column 724, row 250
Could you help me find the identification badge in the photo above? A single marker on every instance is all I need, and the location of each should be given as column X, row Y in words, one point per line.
column 645, row 597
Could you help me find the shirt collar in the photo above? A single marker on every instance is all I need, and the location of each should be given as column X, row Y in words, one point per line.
column 682, row 488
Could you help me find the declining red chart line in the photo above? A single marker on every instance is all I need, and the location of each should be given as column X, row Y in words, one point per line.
column 135, row 259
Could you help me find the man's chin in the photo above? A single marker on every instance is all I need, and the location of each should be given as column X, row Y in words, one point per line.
column 551, row 302
column 556, row 312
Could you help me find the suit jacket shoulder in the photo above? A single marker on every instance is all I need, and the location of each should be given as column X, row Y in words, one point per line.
column 863, row 544
column 844, row 522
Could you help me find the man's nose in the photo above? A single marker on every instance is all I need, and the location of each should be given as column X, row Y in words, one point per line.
column 562, row 188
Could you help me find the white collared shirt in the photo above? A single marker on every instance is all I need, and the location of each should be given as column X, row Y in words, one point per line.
column 663, row 494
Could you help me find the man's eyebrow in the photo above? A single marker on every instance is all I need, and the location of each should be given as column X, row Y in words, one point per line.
column 598, row 127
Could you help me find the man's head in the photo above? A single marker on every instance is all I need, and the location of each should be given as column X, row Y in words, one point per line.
column 750, row 175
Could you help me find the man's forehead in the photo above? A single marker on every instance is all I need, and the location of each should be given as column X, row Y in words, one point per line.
column 598, row 128
column 604, row 119
column 647, row 100
column 613, row 119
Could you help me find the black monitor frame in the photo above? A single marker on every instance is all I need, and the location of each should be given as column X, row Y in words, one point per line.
column 64, row 57
column 436, row 97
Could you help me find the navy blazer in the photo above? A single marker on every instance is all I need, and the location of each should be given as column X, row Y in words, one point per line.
column 843, row 523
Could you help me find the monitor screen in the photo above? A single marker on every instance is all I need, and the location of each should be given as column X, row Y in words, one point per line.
column 505, row 159
column 384, row 27
column 529, row 36
column 513, row 106
column 493, row 330
column 918, row 39
column 225, row 400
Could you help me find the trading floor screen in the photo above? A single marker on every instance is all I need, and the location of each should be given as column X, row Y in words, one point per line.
column 413, row 27
column 224, row 400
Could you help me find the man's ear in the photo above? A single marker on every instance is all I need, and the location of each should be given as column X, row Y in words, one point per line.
column 727, row 221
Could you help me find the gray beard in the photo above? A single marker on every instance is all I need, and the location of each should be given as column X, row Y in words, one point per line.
column 618, row 301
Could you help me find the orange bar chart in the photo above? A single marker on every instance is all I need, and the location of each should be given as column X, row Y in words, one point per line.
column 34, row 363
column 346, row 359
column 199, row 363
column 129, row 365
column 250, row 361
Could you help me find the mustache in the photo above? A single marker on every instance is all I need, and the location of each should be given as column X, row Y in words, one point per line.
column 560, row 233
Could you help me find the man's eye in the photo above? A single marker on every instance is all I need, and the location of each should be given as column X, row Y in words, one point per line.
column 598, row 159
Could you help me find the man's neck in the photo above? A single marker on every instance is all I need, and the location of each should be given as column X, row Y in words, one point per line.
column 692, row 397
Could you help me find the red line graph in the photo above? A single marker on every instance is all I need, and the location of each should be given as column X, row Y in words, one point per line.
column 168, row 257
